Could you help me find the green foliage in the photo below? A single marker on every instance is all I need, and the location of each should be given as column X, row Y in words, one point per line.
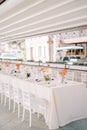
column 20, row 43
column 30, row 60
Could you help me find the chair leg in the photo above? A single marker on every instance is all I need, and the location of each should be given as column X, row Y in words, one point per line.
column 9, row 103
column 23, row 114
column 5, row 100
column 14, row 107
column 18, row 110
column 30, row 114
column 1, row 98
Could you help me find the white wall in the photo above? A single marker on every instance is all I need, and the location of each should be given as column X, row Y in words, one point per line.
column 40, row 48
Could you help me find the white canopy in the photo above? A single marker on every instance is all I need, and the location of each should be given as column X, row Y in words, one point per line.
column 26, row 18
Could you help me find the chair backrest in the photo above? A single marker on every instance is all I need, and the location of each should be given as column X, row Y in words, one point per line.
column 69, row 76
column 84, row 77
column 1, row 85
column 16, row 92
column 26, row 99
column 7, row 86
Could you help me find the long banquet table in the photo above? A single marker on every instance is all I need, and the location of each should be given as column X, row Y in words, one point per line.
column 67, row 101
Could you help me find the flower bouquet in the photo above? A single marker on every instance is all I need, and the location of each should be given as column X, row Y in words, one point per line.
column 63, row 73
column 17, row 65
column 27, row 70
column 47, row 77
column 7, row 64
column 47, row 74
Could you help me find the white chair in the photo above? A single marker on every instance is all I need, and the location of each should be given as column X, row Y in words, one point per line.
column 33, row 105
column 16, row 95
column 1, row 90
column 8, row 93
column 26, row 105
column 69, row 76
column 84, row 78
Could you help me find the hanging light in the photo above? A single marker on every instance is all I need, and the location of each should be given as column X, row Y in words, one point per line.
column 50, row 41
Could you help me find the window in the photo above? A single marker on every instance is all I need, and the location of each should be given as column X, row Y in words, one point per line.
column 31, row 53
column 39, row 51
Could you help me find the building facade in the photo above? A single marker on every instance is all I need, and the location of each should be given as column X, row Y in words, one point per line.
column 44, row 47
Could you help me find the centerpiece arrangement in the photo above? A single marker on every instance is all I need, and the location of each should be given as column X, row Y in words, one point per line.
column 46, row 73
column 7, row 64
column 17, row 65
column 27, row 70
column 63, row 73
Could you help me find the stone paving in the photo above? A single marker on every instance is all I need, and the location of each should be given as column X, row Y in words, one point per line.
column 9, row 121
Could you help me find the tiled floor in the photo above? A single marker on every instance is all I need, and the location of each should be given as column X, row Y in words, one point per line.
column 9, row 121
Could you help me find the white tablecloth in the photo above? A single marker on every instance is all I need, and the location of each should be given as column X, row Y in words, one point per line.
column 67, row 102
column 71, row 103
